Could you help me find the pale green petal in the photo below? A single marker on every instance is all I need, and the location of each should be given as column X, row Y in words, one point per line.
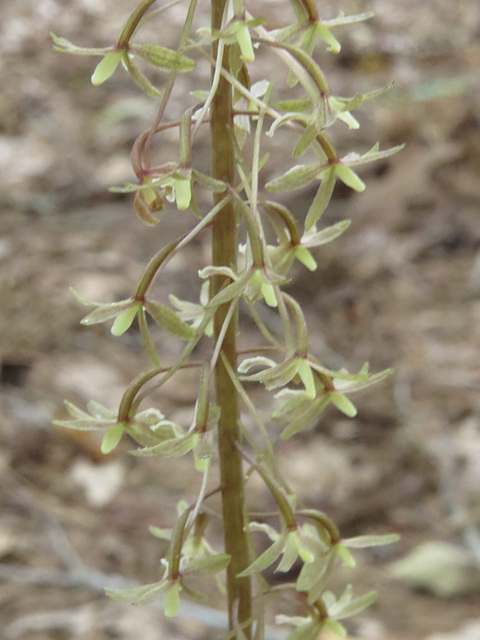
column 305, row 257
column 201, row 464
column 99, row 411
column 345, row 555
column 349, row 177
column 245, row 43
column 363, row 542
column 124, row 320
column 295, row 178
column 211, row 564
column 255, row 361
column 144, row 594
column 169, row 320
column 327, row 36
column 183, row 192
column 322, row 198
column 343, row 403
column 306, row 555
column 341, row 610
column 306, row 376
column 112, row 438
column 171, row 600
column 104, row 312
column 317, row 238
column 162, row 57
column 349, row 120
column 266, row 559
column 268, row 292
column 265, row 528
column 336, row 628
column 171, row 448
column 106, row 67
column 290, row 552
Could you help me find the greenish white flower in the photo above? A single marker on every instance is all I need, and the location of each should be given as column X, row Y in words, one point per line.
column 171, row 586
column 305, row 33
column 125, row 311
column 301, row 543
column 107, row 66
column 279, row 374
column 193, row 313
column 156, row 55
column 254, row 283
column 245, row 43
column 301, row 412
column 237, row 31
column 285, row 253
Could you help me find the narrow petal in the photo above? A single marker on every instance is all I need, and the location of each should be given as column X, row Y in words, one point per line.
column 305, row 257
column 268, row 292
column 343, row 404
column 326, row 35
column 266, row 559
column 290, row 553
column 171, row 600
column 349, row 177
column 112, row 438
column 106, row 67
column 349, row 120
column 306, row 376
column 124, row 320
column 245, row 43
column 183, row 193
column 322, row 198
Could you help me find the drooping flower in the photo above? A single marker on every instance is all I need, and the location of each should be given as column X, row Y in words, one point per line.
column 279, row 374
column 305, row 32
column 125, row 311
column 192, row 313
column 285, row 253
column 124, row 52
column 254, row 283
column 301, row 412
column 302, row 543
column 301, row 176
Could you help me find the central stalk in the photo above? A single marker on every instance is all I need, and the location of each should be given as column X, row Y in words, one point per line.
column 224, row 251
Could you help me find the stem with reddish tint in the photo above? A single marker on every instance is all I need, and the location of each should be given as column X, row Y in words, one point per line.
column 224, row 251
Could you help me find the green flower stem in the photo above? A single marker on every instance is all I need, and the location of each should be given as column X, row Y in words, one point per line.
column 224, row 250
column 256, row 157
column 170, row 83
column 244, row 396
column 310, row 9
column 327, row 523
column 284, row 214
column 132, row 398
column 327, row 146
column 132, row 390
column 321, row 609
column 175, row 551
column 221, row 335
column 305, row 61
column 135, row 400
column 289, row 335
column 133, row 22
column 153, row 266
column 284, row 508
column 300, row 323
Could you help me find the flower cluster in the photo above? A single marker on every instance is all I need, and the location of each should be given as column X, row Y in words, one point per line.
column 251, row 265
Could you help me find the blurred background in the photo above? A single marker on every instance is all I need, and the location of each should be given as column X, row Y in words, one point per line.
column 401, row 288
